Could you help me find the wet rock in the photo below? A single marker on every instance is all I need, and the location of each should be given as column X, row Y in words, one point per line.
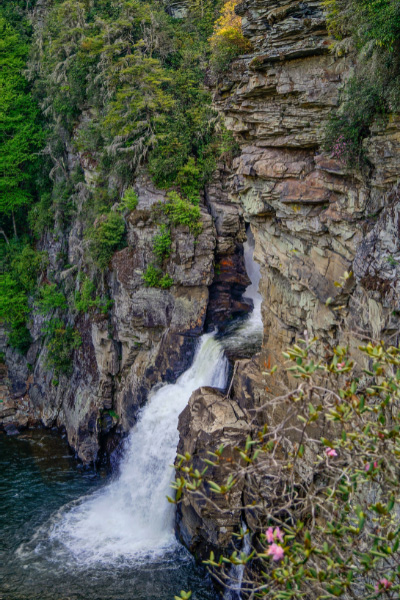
column 149, row 335
column 230, row 277
column 11, row 429
column 210, row 419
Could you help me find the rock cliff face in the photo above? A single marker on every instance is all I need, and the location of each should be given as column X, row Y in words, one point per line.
column 312, row 220
column 209, row 420
column 148, row 336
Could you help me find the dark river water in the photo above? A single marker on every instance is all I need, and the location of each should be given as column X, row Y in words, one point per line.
column 68, row 533
column 39, row 481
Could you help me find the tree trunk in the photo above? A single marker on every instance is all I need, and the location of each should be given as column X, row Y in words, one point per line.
column 14, row 225
column 3, row 233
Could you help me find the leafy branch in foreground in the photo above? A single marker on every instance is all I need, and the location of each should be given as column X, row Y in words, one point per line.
column 321, row 482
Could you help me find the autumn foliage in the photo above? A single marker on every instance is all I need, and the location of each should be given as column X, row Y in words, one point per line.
column 228, row 40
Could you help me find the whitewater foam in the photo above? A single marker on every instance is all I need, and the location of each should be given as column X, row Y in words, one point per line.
column 131, row 517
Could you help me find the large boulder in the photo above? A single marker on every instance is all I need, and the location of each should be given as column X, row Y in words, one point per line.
column 209, row 420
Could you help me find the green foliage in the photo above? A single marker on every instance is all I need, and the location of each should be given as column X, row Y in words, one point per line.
column 374, row 91
column 129, row 201
column 321, row 486
column 154, row 277
column 140, row 73
column 62, row 340
column 50, row 299
column 227, row 41
column 106, row 237
column 14, row 310
column 162, row 243
column 166, row 282
column 181, row 212
column 15, row 12
column 26, row 265
column 189, row 180
column 376, row 21
column 20, row 135
column 40, row 217
column 363, row 101
column 23, row 266
column 85, row 299
column 183, row 595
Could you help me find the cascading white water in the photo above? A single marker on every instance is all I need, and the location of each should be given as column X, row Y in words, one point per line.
column 244, row 337
column 253, row 325
column 131, row 517
column 236, row 573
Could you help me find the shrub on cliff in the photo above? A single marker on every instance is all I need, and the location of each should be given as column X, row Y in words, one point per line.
column 162, row 243
column 85, row 299
column 376, row 21
column 22, row 268
column 61, row 342
column 182, row 212
column 228, row 40
column 105, row 237
column 14, row 310
column 373, row 92
column 129, row 201
column 155, row 277
column 321, row 481
column 50, row 298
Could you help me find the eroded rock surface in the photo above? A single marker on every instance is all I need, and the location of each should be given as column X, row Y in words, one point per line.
column 312, row 220
column 149, row 335
column 209, row 420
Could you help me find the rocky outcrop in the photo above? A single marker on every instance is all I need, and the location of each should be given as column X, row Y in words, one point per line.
column 149, row 334
column 312, row 219
column 230, row 278
column 209, row 420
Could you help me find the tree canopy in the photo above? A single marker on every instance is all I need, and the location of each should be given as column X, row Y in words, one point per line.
column 20, row 134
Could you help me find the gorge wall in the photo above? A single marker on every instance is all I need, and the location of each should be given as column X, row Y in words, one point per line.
column 148, row 336
column 312, row 220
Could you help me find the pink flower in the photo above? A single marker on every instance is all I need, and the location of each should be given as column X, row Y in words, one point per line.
column 270, row 535
column 276, row 551
column 341, row 365
column 368, row 466
column 383, row 584
column 331, row 452
column 273, row 535
column 278, row 535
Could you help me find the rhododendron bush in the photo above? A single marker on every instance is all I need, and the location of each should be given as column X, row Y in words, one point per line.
column 320, row 480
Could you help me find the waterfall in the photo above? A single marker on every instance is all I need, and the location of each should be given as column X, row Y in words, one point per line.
column 244, row 337
column 253, row 325
column 236, row 572
column 131, row 517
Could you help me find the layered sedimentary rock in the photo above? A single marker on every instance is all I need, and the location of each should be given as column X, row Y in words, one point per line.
column 312, row 219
